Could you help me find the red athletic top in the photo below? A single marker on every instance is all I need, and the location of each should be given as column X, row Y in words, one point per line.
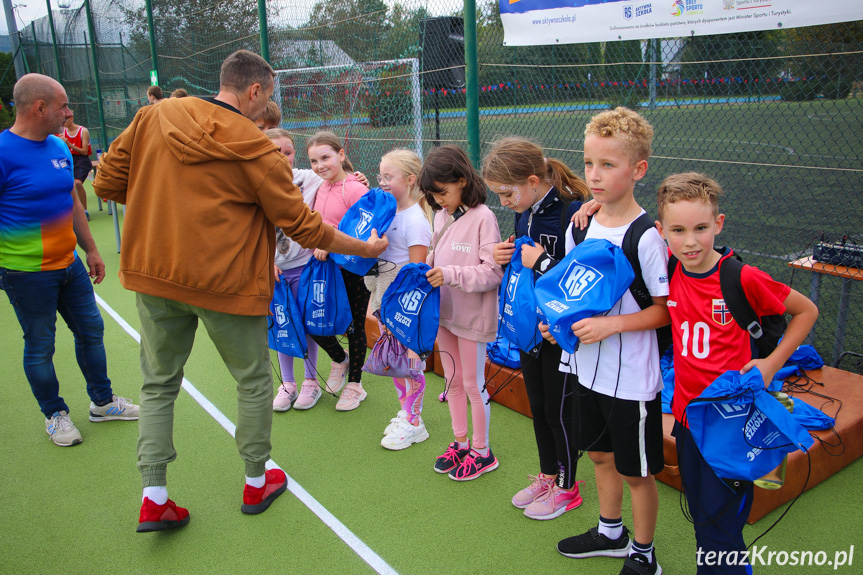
column 76, row 141
column 707, row 340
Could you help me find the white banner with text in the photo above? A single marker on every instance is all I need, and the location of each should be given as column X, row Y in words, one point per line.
column 541, row 22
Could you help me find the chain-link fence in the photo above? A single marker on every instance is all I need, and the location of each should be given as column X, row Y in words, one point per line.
column 774, row 116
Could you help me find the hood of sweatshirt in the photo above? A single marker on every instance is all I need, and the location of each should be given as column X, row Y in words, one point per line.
column 195, row 129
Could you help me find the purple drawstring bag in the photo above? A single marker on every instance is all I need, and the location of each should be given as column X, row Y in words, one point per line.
column 389, row 358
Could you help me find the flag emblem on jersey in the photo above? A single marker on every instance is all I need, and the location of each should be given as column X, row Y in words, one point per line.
column 721, row 313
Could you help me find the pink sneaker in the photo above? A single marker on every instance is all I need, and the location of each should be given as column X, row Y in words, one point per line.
column 338, row 376
column 310, row 393
column 538, row 486
column 554, row 503
column 351, row 397
column 285, row 397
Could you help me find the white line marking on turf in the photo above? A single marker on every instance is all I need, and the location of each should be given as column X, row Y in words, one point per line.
column 364, row 551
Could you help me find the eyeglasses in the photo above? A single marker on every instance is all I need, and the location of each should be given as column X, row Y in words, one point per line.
column 387, row 179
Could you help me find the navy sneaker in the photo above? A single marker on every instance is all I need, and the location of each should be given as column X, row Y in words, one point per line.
column 451, row 458
column 474, row 465
column 637, row 564
column 595, row 544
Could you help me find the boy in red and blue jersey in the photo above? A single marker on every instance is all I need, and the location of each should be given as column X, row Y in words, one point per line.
column 708, row 342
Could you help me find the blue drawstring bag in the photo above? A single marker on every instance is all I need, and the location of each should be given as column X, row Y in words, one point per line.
column 667, row 393
column 811, row 417
column 323, row 299
column 780, row 376
column 375, row 210
column 587, row 282
column 503, row 352
column 806, row 357
column 742, row 431
column 286, row 332
column 410, row 309
column 518, row 315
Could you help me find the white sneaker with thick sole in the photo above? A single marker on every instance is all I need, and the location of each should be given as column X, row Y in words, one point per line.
column 405, row 435
column 401, row 415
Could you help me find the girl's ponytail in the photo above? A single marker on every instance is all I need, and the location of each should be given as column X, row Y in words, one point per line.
column 565, row 181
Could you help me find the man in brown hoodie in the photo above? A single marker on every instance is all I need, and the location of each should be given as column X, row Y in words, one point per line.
column 203, row 188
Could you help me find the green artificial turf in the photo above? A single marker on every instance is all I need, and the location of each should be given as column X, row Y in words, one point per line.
column 74, row 510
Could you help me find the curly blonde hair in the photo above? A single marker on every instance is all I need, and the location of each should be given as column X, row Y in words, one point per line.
column 630, row 128
column 688, row 186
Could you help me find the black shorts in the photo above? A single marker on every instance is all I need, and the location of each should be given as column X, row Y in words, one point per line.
column 630, row 429
column 81, row 166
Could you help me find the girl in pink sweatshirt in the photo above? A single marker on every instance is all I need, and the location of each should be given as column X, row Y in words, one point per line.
column 460, row 255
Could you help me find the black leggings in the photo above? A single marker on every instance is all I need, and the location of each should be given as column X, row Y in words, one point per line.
column 550, row 393
column 358, row 297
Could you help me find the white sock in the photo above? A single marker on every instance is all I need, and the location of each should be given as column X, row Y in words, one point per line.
column 463, row 444
column 158, row 494
column 258, row 482
column 482, row 451
column 611, row 528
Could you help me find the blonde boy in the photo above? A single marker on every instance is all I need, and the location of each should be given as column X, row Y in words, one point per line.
column 617, row 402
column 689, row 219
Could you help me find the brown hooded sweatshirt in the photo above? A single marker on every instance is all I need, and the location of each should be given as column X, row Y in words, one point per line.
column 203, row 188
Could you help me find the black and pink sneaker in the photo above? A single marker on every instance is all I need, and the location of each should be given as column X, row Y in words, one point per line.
column 473, row 465
column 451, row 458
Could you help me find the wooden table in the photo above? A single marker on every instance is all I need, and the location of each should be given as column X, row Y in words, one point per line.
column 848, row 275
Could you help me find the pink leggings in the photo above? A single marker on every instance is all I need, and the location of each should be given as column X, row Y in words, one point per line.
column 469, row 376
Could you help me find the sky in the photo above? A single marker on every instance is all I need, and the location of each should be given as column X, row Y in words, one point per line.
column 28, row 10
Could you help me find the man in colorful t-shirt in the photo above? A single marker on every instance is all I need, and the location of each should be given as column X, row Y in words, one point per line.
column 40, row 221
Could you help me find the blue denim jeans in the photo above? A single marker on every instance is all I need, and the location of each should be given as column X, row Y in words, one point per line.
column 36, row 298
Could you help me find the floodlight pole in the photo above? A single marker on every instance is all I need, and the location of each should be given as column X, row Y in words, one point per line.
column 151, row 28
column 262, row 23
column 471, row 81
column 12, row 28
column 54, row 41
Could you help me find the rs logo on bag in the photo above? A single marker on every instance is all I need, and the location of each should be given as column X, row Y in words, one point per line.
column 319, row 290
column 578, row 280
column 279, row 312
column 365, row 222
column 411, row 301
column 728, row 411
column 512, row 285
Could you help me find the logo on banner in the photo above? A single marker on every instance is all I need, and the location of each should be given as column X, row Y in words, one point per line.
column 578, row 280
column 627, row 12
column 677, row 8
column 365, row 222
column 319, row 290
column 721, row 313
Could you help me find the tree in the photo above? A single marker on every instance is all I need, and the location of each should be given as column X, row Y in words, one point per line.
column 7, row 66
column 356, row 26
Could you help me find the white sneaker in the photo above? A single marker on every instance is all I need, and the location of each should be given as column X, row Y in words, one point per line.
column 61, row 430
column 405, row 435
column 338, row 375
column 402, row 414
column 285, row 397
column 120, row 409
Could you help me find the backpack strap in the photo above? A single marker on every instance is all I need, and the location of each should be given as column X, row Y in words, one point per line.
column 731, row 285
column 638, row 288
column 579, row 234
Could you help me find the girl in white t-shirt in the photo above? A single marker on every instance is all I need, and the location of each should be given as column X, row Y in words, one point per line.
column 409, row 236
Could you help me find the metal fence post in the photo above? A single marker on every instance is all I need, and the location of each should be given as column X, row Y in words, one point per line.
column 36, row 46
column 265, row 38
column 471, row 81
column 54, row 41
column 151, row 28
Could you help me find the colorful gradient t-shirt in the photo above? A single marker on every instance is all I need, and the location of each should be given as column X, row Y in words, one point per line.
column 36, row 184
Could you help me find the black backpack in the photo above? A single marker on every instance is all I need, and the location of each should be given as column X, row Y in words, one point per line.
column 638, row 288
column 764, row 331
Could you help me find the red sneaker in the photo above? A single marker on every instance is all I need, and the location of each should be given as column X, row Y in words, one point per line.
column 156, row 517
column 257, row 499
